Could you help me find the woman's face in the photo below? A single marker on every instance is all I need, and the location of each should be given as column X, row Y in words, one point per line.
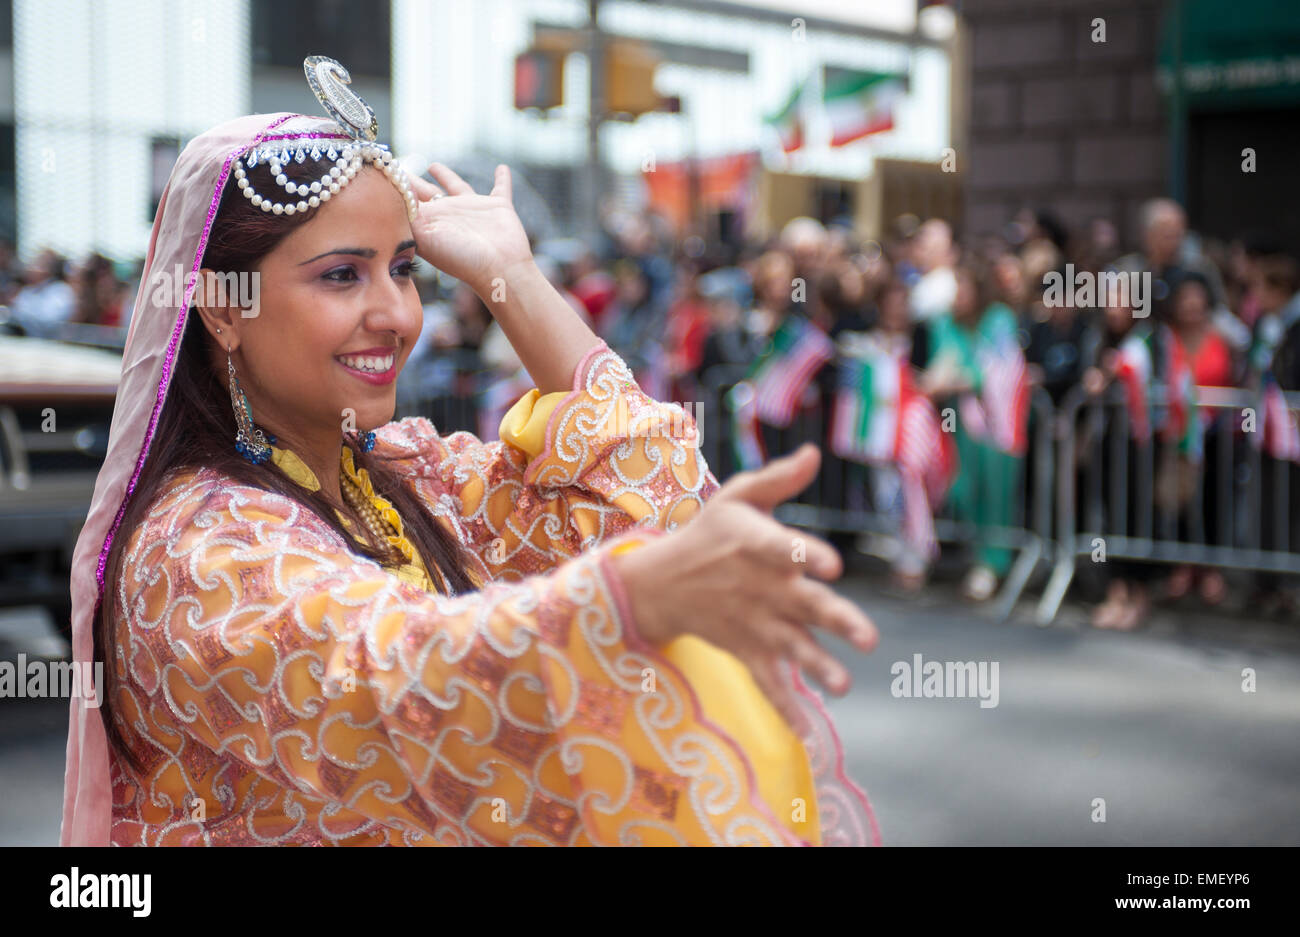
column 1191, row 306
column 851, row 285
column 893, row 310
column 964, row 304
column 1119, row 317
column 1011, row 279
column 339, row 314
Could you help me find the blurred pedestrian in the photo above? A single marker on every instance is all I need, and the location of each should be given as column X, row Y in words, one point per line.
column 99, row 292
column 1210, row 360
column 968, row 348
column 934, row 254
column 46, row 302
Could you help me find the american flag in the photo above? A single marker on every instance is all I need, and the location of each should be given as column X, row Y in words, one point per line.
column 1006, row 399
column 782, row 375
column 927, row 462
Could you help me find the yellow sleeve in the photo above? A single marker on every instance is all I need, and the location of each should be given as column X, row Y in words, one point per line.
column 524, row 425
column 726, row 691
column 730, row 698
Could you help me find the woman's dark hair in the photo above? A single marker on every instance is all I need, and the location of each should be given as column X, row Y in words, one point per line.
column 196, row 429
column 890, row 287
column 982, row 280
column 1194, row 278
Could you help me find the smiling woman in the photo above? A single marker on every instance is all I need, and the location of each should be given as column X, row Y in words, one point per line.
column 324, row 627
column 337, row 318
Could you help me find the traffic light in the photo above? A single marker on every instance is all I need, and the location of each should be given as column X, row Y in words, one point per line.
column 630, row 78
column 629, row 75
column 539, row 79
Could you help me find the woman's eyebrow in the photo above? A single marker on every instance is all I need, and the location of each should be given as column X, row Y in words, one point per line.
column 366, row 252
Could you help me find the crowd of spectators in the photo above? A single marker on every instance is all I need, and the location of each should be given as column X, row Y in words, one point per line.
column 48, row 296
column 682, row 310
column 676, row 309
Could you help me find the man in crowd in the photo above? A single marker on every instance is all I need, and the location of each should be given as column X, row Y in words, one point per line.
column 46, row 302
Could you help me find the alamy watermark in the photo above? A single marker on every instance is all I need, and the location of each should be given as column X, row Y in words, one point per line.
column 1083, row 289
column 240, row 289
column 45, row 679
column 953, row 679
column 103, row 890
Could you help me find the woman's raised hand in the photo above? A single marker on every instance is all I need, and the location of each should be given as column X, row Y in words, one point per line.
column 740, row 580
column 474, row 238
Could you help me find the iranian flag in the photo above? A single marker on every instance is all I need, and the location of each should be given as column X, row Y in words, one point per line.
column 882, row 418
column 864, row 426
column 1133, row 369
column 788, row 122
column 861, row 103
column 1184, row 424
column 1281, row 437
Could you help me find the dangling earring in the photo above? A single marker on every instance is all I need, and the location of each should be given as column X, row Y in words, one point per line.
column 249, row 441
column 367, row 440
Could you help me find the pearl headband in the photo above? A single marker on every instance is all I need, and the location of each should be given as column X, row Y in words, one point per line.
column 356, row 119
column 347, row 163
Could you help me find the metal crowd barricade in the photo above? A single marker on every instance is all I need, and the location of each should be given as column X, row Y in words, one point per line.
column 840, row 500
column 1085, row 481
column 445, row 387
column 1109, row 508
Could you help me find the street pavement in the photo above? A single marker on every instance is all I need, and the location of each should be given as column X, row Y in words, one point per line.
column 1153, row 724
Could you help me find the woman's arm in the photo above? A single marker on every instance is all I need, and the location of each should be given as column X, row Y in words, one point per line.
column 547, row 334
column 573, row 470
column 520, row 714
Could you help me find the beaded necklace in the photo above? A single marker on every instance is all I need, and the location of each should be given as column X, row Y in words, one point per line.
column 380, row 529
column 376, row 513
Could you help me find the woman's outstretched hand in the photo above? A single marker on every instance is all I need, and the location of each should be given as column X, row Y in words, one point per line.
column 474, row 238
column 740, row 580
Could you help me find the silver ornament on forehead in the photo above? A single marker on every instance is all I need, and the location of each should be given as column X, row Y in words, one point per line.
column 356, row 123
column 329, row 81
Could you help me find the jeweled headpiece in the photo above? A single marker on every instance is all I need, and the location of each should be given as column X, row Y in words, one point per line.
column 353, row 145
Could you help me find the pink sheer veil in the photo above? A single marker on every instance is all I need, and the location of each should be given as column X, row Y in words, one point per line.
column 180, row 233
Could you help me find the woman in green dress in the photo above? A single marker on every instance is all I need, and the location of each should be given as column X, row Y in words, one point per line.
column 960, row 344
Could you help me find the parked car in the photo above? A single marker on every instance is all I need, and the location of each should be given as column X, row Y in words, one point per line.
column 56, row 405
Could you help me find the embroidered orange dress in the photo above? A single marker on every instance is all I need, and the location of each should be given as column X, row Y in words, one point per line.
column 280, row 689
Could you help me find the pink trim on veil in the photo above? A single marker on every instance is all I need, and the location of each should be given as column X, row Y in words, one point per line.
column 834, row 779
column 87, row 795
column 178, row 329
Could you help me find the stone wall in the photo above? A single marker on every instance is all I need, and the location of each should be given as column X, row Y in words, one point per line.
column 1058, row 120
